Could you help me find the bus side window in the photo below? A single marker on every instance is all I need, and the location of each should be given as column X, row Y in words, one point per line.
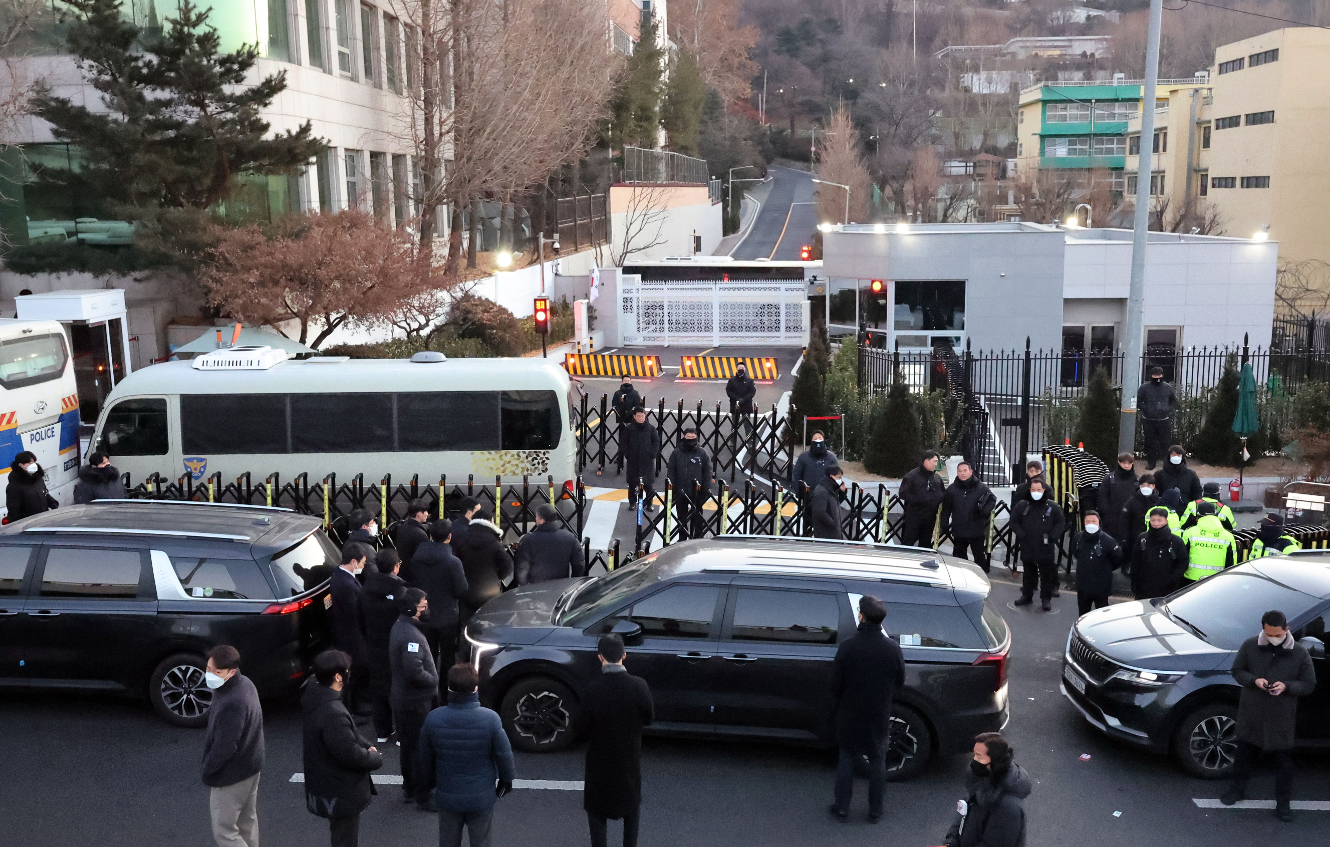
column 530, row 420
column 136, row 427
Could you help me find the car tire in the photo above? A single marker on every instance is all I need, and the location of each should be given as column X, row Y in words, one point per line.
column 537, row 713
column 911, row 746
column 177, row 690
column 1206, row 741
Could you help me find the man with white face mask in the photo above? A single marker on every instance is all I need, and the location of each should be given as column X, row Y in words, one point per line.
column 26, row 493
column 1097, row 555
column 348, row 621
column 232, row 750
column 1038, row 524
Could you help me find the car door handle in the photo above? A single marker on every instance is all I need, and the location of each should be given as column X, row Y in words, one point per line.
column 44, row 613
column 693, row 655
column 740, row 657
column 6, row 612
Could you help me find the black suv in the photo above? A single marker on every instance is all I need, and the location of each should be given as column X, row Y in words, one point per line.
column 130, row 595
column 1157, row 673
column 735, row 636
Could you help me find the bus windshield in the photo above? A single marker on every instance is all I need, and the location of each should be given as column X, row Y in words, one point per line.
column 29, row 360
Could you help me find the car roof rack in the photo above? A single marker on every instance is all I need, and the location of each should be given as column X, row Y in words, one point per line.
column 877, row 574
column 172, row 533
column 190, row 503
column 878, row 545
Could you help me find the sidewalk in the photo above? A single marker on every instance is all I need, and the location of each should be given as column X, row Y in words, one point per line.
column 749, row 209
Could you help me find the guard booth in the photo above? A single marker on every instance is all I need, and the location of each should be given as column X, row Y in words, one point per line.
column 98, row 337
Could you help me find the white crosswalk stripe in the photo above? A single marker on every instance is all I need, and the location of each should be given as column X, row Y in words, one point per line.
column 537, row 784
column 1296, row 805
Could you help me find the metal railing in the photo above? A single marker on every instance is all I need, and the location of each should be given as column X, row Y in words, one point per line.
column 1086, row 83
column 661, row 167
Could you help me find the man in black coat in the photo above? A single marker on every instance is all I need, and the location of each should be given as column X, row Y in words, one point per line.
column 741, row 390
column 625, row 400
column 810, row 469
column 824, row 510
column 1038, row 524
column 415, row 686
column 99, row 480
column 1155, row 403
column 467, row 509
column 1158, row 559
column 868, row 669
column 922, row 491
column 410, row 534
column 26, row 493
column 689, row 471
column 967, row 506
column 348, row 620
column 1113, row 495
column 232, row 750
column 381, row 602
column 1138, row 506
column 364, row 527
column 440, row 574
column 337, row 760
column 549, row 551
column 1097, row 555
column 640, row 449
column 1175, row 474
column 612, row 713
column 486, row 564
column 1033, row 468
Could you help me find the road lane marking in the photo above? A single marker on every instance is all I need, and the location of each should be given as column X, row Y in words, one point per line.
column 538, row 784
column 1300, row 805
column 782, row 232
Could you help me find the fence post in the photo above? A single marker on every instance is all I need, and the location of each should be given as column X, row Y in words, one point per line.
column 779, row 503
column 443, row 488
column 614, row 555
column 723, row 502
column 669, row 505
column 498, row 503
column 579, row 499
column 883, row 504
column 1025, row 416
column 326, row 518
column 383, row 502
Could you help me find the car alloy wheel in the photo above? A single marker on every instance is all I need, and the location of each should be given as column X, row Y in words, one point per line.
column 1214, row 742
column 541, row 716
column 184, row 692
column 904, row 745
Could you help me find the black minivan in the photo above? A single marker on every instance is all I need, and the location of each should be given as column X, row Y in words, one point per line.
column 130, row 595
column 735, row 636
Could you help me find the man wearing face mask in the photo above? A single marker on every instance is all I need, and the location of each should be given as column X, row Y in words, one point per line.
column 992, row 815
column 1158, row 559
column 1155, row 403
column 364, row 528
column 232, row 750
column 922, row 490
column 1038, row 524
column 641, row 448
column 741, row 390
column 966, row 508
column 1097, row 555
column 348, row 620
column 625, row 400
column 1209, row 494
column 1134, row 513
column 824, row 509
column 1176, row 474
column 811, row 466
column 689, row 471
column 26, row 493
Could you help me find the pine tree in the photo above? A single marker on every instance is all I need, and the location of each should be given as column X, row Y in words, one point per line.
column 894, row 439
column 807, row 398
column 1216, row 443
column 1099, row 418
column 685, row 95
column 178, row 123
column 635, row 106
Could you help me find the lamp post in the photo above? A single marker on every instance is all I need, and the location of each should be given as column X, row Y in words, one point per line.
column 1075, row 219
column 541, row 241
column 847, row 196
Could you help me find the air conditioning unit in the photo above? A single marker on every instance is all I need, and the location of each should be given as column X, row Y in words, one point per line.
column 1119, row 79
column 240, row 359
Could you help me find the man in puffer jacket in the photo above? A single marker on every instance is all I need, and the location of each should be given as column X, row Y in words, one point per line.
column 26, row 493
column 99, row 480
column 992, row 815
column 487, row 565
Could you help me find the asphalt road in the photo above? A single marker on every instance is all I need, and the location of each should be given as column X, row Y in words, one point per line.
column 787, row 221
column 89, row 769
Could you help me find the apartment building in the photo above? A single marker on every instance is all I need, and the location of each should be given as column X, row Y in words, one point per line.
column 1176, row 155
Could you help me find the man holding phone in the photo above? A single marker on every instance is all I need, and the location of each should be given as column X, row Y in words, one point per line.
column 1274, row 671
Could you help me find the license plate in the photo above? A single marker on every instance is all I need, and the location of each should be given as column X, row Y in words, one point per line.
column 1074, row 678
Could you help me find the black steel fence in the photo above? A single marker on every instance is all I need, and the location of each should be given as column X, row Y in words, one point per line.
column 581, row 221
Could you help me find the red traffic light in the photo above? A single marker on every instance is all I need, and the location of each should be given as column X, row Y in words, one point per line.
column 541, row 313
column 878, row 286
column 805, row 253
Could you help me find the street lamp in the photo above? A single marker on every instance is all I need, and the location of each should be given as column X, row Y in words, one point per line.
column 503, row 259
column 847, row 195
column 1263, row 234
column 1075, row 219
column 541, row 241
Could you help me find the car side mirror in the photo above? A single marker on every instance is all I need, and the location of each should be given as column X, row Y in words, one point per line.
column 631, row 632
column 1314, row 646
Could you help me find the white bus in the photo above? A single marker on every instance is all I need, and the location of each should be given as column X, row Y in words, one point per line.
column 39, row 402
column 250, row 410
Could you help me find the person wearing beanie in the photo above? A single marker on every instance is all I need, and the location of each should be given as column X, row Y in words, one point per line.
column 1271, row 538
column 1158, row 558
column 1209, row 494
column 1210, row 547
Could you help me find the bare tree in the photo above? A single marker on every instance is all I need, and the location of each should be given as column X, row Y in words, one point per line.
column 1047, row 197
column 840, row 162
column 1302, row 288
column 709, row 29
column 19, row 19
column 643, row 221
column 901, row 112
column 1196, row 216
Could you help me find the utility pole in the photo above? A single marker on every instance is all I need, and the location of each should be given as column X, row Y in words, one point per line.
column 1134, row 348
column 764, row 97
column 914, row 31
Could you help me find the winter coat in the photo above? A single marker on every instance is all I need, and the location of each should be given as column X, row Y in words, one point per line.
column 690, row 472
column 1133, row 514
column 26, row 494
column 443, row 579
column 99, row 484
column 966, row 507
column 922, row 491
column 1266, row 720
column 1156, row 401
column 625, row 400
column 995, row 816
column 233, row 747
column 348, row 615
column 611, row 715
column 415, row 677
column 810, row 469
column 463, row 752
column 1181, row 477
column 1097, row 556
column 640, row 445
column 824, row 512
column 1038, row 528
column 337, row 760
column 380, row 603
column 486, row 564
column 1111, row 499
column 1158, row 560
column 865, row 674
column 549, row 552
column 362, row 535
column 407, row 538
column 741, row 390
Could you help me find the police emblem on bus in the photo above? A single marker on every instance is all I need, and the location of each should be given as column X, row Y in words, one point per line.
column 39, row 407
column 197, row 467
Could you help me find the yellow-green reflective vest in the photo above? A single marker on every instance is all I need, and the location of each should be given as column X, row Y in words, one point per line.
column 1208, row 546
column 1224, row 513
column 1259, row 550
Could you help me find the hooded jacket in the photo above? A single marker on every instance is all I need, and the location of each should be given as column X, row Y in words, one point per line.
column 1158, row 561
column 996, row 815
column 966, row 507
column 337, row 760
column 1156, row 401
column 1181, row 477
column 26, row 493
column 441, row 576
column 486, row 564
column 1265, row 720
column 810, row 469
column 741, row 390
column 99, row 484
column 1112, row 497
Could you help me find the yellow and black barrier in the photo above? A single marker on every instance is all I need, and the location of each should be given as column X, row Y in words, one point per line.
column 601, row 364
column 723, row 367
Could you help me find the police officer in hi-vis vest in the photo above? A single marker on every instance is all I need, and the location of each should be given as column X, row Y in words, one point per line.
column 1210, row 494
column 1210, row 547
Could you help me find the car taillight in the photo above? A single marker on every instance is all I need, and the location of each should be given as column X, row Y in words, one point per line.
column 288, row 608
column 997, row 661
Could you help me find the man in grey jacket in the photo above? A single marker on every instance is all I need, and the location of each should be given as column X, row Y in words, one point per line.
column 232, row 750
column 415, row 682
column 1156, row 403
column 548, row 552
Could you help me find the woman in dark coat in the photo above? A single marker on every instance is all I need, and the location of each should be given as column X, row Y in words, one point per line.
column 337, row 760
column 26, row 494
column 992, row 814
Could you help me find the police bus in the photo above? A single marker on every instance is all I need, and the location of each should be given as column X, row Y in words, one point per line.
column 39, row 403
column 253, row 410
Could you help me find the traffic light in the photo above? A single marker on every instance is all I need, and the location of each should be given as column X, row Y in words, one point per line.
column 878, row 286
column 542, row 315
column 805, row 253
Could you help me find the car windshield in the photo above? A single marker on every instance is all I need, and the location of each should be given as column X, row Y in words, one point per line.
column 606, row 592
column 1226, row 609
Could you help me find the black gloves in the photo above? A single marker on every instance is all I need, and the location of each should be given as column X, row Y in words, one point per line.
column 503, row 787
